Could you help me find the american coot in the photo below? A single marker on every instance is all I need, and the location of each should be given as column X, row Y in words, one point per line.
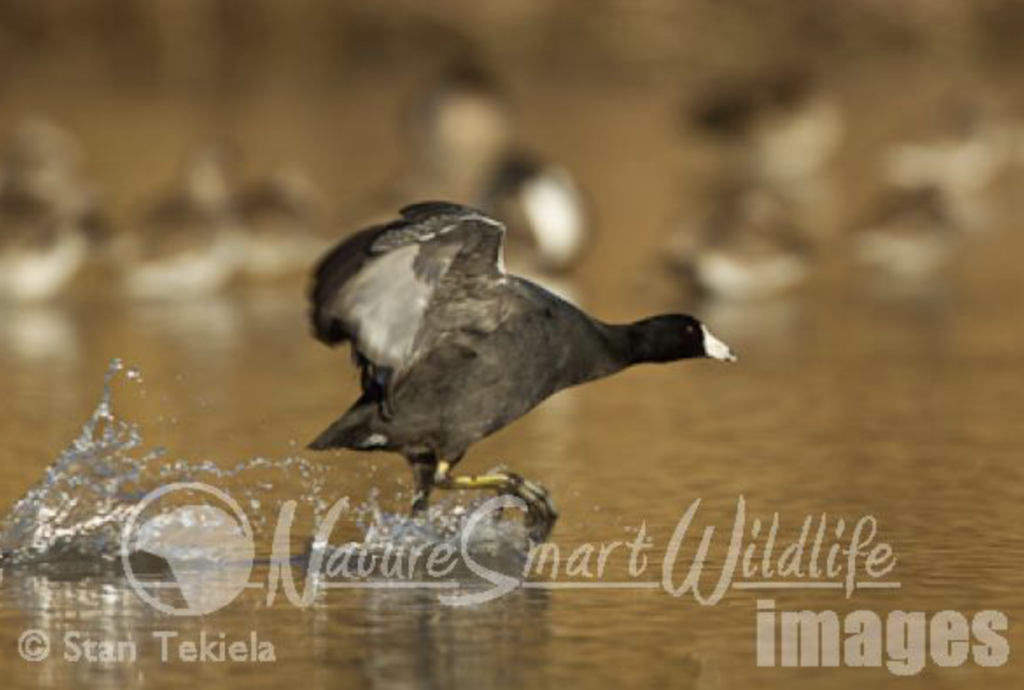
column 748, row 245
column 49, row 216
column 452, row 348
column 188, row 244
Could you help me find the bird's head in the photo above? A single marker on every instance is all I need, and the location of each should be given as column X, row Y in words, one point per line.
column 672, row 337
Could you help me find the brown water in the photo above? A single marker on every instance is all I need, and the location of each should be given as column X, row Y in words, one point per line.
column 847, row 401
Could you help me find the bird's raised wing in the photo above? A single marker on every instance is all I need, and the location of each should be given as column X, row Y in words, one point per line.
column 375, row 288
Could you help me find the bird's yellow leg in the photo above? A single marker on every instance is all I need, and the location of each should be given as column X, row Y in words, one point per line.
column 497, row 481
column 541, row 512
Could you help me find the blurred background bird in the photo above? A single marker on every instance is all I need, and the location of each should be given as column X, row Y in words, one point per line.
column 50, row 219
column 281, row 223
column 188, row 243
column 745, row 244
column 910, row 233
column 780, row 127
column 463, row 142
column 960, row 152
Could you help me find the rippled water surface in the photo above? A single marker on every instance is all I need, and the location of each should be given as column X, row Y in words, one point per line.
column 906, row 409
column 849, row 400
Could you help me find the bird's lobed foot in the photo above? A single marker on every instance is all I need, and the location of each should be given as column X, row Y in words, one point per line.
column 541, row 513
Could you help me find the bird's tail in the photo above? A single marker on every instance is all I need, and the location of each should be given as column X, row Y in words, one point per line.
column 354, row 429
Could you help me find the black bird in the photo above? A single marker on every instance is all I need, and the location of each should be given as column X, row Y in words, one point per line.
column 452, row 348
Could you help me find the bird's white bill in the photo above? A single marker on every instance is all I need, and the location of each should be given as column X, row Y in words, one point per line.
column 716, row 349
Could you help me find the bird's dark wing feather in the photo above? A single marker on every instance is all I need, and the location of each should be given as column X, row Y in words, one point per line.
column 334, row 270
column 375, row 288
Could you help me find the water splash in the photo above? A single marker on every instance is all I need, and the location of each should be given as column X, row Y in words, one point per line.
column 74, row 516
column 75, row 510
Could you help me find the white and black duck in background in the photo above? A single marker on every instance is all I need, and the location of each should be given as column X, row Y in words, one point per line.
column 188, row 244
column 745, row 244
column 280, row 221
column 50, row 220
column 908, row 235
column 937, row 188
column 463, row 142
column 452, row 348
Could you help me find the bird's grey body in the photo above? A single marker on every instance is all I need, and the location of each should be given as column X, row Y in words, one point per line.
column 448, row 401
column 453, row 319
